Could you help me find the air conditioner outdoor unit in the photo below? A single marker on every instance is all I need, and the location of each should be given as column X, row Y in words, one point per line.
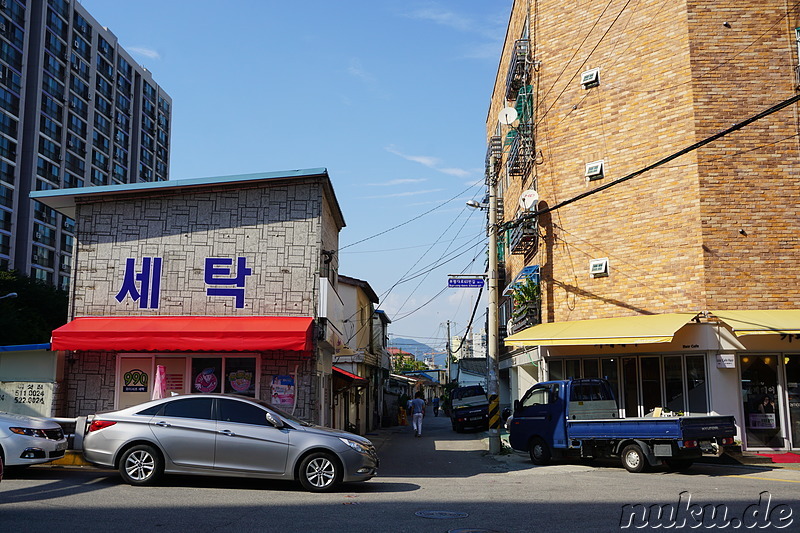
column 598, row 268
column 590, row 78
column 595, row 170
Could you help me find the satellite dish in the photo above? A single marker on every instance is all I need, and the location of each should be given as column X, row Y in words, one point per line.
column 507, row 116
column 528, row 199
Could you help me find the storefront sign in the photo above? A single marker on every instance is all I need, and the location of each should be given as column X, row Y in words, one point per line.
column 144, row 285
column 135, row 381
column 761, row 421
column 25, row 398
column 726, row 360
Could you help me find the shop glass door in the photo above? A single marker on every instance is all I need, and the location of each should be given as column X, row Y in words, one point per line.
column 792, row 363
column 760, row 398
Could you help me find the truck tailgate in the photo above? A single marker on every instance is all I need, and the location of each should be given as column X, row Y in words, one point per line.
column 705, row 427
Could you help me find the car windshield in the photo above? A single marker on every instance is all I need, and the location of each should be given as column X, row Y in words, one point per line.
column 468, row 392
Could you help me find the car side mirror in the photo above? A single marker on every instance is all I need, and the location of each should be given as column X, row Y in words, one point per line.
column 516, row 405
column 274, row 420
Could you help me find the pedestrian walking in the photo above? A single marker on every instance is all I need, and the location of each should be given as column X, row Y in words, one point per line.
column 417, row 412
column 435, row 406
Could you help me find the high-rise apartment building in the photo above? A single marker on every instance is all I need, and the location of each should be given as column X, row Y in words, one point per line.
column 75, row 110
column 659, row 220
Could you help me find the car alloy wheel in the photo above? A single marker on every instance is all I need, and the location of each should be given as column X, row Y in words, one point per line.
column 319, row 472
column 141, row 465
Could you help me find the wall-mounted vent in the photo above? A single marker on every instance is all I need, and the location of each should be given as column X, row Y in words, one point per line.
column 598, row 268
column 595, row 170
column 590, row 78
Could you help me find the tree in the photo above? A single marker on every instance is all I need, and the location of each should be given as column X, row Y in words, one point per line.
column 37, row 310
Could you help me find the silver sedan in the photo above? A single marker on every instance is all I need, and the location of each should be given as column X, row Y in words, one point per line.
column 225, row 435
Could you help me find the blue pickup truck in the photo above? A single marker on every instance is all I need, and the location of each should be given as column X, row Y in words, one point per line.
column 580, row 418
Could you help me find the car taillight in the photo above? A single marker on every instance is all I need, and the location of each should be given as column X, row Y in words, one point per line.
column 690, row 444
column 726, row 441
column 100, row 424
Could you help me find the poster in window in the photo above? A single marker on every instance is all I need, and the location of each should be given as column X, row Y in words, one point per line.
column 283, row 391
column 240, row 373
column 206, row 374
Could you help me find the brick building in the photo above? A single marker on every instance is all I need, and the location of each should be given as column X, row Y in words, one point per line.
column 227, row 282
column 678, row 282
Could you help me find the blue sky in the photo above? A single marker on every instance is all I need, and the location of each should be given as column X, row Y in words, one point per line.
column 390, row 96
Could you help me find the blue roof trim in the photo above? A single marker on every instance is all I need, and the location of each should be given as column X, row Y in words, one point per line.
column 25, row 347
column 178, row 183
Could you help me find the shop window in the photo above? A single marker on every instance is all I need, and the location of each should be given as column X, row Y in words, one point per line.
column 696, row 384
column 651, row 383
column 759, row 396
column 233, row 375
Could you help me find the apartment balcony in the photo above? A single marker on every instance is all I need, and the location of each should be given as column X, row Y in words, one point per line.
column 518, row 68
column 523, row 239
column 520, row 152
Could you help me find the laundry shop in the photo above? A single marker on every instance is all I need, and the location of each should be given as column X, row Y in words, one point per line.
column 217, row 284
column 744, row 363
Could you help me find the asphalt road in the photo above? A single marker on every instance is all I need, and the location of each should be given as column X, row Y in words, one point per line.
column 446, row 477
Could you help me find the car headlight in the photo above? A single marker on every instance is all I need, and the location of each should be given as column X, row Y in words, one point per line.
column 357, row 446
column 29, row 432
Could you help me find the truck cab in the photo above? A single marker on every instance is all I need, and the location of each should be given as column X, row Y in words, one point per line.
column 541, row 411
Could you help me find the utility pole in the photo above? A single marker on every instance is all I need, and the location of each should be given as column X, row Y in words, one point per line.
column 492, row 379
column 447, row 346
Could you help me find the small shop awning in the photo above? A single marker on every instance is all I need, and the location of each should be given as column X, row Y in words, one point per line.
column 348, row 376
column 186, row 334
column 645, row 329
column 761, row 322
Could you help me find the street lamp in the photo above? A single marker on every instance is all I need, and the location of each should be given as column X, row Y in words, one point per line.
column 492, row 384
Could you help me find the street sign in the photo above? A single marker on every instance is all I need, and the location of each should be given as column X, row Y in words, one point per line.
column 461, row 283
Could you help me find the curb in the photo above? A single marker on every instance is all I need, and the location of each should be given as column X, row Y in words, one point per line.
column 71, row 458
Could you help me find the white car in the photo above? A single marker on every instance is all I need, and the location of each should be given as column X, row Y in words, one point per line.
column 27, row 440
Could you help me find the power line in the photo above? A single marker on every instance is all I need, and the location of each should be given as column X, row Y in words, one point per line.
column 688, row 149
column 408, row 221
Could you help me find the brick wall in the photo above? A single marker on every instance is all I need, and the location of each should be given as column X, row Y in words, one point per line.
column 668, row 78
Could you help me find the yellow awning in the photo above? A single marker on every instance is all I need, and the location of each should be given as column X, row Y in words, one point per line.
column 643, row 329
column 761, row 322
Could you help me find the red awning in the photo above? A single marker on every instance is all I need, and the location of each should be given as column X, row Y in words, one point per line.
column 185, row 334
column 347, row 375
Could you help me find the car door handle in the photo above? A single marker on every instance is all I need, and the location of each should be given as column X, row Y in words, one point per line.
column 227, row 432
column 163, row 424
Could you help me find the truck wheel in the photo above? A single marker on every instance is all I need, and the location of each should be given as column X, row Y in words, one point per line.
column 540, row 452
column 678, row 465
column 633, row 459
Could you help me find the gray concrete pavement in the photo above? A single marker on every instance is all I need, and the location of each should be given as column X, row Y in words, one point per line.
column 442, row 472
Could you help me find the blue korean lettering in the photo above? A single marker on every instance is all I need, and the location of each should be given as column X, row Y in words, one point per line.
column 219, row 271
column 144, row 286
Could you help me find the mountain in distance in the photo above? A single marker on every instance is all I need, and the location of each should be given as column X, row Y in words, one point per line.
column 418, row 349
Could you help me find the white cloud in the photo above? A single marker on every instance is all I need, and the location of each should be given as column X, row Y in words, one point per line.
column 458, row 172
column 356, row 70
column 430, row 162
column 442, row 17
column 401, row 194
column 146, row 52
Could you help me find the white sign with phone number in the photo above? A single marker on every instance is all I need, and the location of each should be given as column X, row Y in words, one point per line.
column 26, row 398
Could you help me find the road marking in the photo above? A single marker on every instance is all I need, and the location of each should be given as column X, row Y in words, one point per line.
column 745, row 476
